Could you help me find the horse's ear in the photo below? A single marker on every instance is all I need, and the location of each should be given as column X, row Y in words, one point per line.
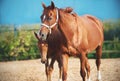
column 52, row 5
column 43, row 5
column 36, row 35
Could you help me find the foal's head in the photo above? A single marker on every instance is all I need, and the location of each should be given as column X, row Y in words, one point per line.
column 49, row 19
column 43, row 47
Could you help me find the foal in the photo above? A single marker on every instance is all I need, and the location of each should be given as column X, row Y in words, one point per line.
column 50, row 49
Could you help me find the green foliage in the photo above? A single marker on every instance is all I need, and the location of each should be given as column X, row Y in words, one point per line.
column 22, row 46
column 112, row 30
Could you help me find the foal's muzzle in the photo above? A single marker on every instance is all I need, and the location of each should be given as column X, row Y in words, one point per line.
column 44, row 61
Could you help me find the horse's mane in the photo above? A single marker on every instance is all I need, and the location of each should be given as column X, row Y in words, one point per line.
column 68, row 10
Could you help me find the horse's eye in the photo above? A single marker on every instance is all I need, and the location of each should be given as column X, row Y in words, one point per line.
column 49, row 18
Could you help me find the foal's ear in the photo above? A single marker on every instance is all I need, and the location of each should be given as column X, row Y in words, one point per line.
column 52, row 5
column 43, row 5
column 36, row 35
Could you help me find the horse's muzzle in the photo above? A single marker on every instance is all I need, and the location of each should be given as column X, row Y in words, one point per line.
column 43, row 36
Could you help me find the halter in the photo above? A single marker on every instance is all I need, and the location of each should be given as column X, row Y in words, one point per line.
column 51, row 26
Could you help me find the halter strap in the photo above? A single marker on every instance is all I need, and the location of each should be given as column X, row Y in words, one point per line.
column 51, row 26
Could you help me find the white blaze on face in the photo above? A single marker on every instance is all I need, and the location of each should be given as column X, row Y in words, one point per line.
column 44, row 17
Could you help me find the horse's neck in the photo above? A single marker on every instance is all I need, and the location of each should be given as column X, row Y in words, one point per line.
column 56, row 39
column 54, row 34
column 67, row 25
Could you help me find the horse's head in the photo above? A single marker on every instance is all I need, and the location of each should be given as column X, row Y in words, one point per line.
column 49, row 19
column 43, row 47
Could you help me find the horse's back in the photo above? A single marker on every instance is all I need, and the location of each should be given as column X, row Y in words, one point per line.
column 94, row 19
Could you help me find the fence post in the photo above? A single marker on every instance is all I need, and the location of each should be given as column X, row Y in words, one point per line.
column 16, row 29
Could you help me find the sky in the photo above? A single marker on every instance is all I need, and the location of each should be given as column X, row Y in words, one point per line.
column 29, row 11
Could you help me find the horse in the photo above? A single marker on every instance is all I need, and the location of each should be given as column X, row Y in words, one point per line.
column 82, row 34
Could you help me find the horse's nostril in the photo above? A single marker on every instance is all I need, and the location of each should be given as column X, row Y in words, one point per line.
column 42, row 35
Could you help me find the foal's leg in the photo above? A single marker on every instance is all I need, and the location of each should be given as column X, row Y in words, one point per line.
column 46, row 69
column 98, row 61
column 82, row 60
column 60, row 68
column 49, row 69
column 87, row 69
column 65, row 66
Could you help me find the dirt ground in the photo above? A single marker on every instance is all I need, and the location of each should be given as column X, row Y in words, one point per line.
column 33, row 70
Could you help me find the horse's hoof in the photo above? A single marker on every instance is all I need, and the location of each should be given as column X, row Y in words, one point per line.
column 60, row 80
column 99, row 76
column 99, row 79
column 89, row 79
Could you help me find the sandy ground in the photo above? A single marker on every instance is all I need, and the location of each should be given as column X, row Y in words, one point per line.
column 33, row 70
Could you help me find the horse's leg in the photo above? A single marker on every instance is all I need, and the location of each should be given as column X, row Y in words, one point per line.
column 49, row 69
column 65, row 66
column 46, row 69
column 98, row 61
column 59, row 60
column 82, row 60
column 87, row 66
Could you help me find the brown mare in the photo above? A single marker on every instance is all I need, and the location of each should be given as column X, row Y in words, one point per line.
column 78, row 35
